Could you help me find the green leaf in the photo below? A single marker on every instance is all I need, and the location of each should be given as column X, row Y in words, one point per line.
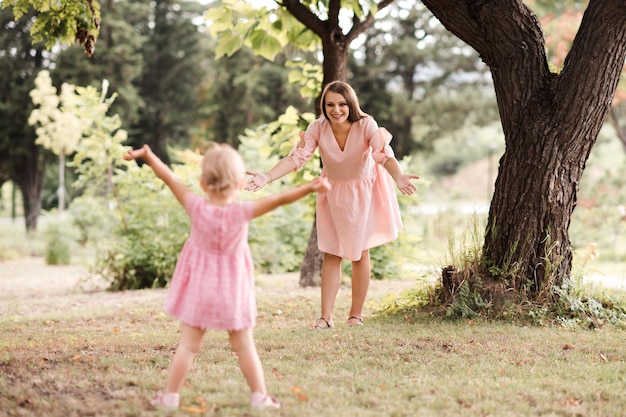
column 221, row 20
column 265, row 45
column 228, row 44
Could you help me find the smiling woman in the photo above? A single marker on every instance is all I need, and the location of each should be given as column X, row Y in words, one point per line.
column 361, row 210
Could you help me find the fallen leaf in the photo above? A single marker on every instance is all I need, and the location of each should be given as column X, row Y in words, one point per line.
column 75, row 358
column 603, row 357
column 569, row 402
column 201, row 408
column 194, row 409
column 277, row 374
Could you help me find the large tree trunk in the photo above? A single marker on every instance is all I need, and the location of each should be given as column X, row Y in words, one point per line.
column 550, row 123
column 30, row 181
column 311, row 268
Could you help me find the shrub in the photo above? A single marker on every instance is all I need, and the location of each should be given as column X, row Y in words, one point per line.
column 57, row 246
column 148, row 233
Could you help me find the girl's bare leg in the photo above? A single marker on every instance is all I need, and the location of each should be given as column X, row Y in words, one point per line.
column 242, row 343
column 189, row 345
column 331, row 278
column 361, row 273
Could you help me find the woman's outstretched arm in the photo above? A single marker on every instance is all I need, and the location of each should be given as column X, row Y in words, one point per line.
column 261, row 179
column 403, row 181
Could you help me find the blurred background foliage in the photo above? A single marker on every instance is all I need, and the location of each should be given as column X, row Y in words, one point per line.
column 419, row 81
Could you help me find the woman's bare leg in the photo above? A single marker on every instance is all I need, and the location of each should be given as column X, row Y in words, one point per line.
column 331, row 278
column 361, row 273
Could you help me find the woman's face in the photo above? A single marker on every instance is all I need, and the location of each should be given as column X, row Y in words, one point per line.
column 337, row 108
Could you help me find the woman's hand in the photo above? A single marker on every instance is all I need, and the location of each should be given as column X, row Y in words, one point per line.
column 405, row 185
column 258, row 181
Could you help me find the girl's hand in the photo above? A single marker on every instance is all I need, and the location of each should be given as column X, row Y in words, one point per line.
column 321, row 185
column 258, row 181
column 137, row 153
column 405, row 185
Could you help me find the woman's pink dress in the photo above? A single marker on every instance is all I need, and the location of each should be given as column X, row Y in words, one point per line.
column 213, row 283
column 361, row 210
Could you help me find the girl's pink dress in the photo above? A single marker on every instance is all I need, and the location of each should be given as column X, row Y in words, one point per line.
column 361, row 209
column 213, row 283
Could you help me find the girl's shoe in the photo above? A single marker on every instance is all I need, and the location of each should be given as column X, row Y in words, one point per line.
column 171, row 400
column 262, row 401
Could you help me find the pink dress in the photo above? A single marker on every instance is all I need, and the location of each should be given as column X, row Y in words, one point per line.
column 213, row 283
column 361, row 210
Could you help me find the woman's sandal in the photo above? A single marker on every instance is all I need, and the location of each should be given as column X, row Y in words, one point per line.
column 322, row 324
column 355, row 321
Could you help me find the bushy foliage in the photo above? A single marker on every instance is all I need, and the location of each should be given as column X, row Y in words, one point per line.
column 278, row 239
column 149, row 233
column 92, row 217
column 57, row 245
column 408, row 305
column 388, row 261
column 582, row 305
column 149, row 228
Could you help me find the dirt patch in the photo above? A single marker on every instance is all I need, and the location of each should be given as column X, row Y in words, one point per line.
column 29, row 287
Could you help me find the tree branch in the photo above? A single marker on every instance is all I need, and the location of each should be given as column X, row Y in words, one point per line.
column 508, row 37
column 598, row 52
column 359, row 26
column 304, row 16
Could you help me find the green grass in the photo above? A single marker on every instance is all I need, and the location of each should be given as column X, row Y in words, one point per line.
column 106, row 354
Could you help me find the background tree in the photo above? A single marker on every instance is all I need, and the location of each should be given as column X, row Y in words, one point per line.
column 64, row 21
column 419, row 80
column 23, row 161
column 169, row 83
column 59, row 127
column 241, row 91
column 118, row 58
column 550, row 122
column 302, row 24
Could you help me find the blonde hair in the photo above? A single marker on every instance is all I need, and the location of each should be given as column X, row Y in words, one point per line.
column 223, row 170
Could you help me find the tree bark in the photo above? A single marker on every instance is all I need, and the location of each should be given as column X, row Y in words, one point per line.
column 61, row 191
column 30, row 181
column 550, row 123
column 311, row 268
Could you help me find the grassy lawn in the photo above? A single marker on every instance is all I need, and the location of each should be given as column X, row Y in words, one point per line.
column 65, row 351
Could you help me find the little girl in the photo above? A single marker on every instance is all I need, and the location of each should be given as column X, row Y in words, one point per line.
column 213, row 284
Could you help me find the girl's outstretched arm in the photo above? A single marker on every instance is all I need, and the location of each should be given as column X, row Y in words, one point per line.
column 269, row 203
column 161, row 170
